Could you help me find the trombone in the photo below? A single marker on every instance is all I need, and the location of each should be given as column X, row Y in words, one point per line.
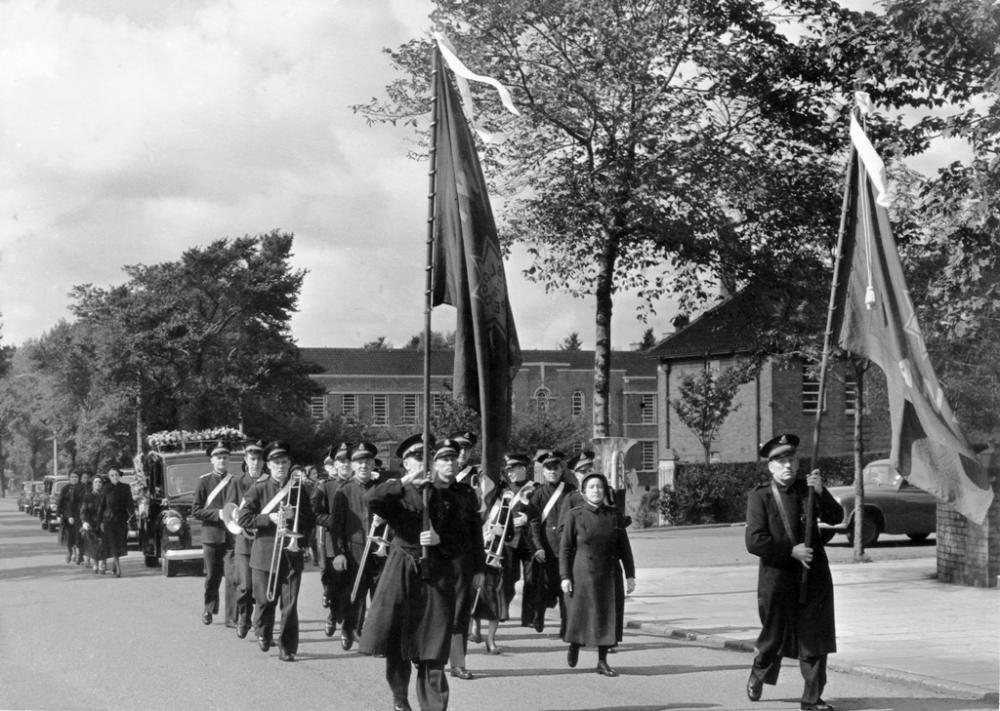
column 283, row 534
column 382, row 543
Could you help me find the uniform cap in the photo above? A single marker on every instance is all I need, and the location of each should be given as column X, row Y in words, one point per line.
column 413, row 446
column 447, row 448
column 465, row 440
column 254, row 446
column 219, row 447
column 581, row 461
column 516, row 460
column 364, row 450
column 550, row 457
column 780, row 445
column 277, row 449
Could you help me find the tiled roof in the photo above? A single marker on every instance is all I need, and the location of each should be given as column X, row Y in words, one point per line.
column 397, row 361
column 724, row 329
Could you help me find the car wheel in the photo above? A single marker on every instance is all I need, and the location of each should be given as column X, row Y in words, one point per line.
column 45, row 525
column 869, row 532
column 169, row 567
column 152, row 561
column 826, row 534
column 917, row 537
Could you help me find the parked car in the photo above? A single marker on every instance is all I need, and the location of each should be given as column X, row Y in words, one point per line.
column 168, row 534
column 50, row 511
column 35, row 500
column 24, row 499
column 891, row 505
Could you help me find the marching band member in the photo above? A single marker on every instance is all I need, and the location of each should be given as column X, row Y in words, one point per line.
column 277, row 499
column 216, row 541
column 549, row 500
column 333, row 581
column 413, row 611
column 352, row 521
column 253, row 471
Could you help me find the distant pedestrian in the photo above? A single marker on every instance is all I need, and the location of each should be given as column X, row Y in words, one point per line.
column 91, row 517
column 66, row 508
column 776, row 523
column 594, row 550
column 116, row 511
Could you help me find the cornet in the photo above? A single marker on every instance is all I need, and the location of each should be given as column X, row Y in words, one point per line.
column 282, row 534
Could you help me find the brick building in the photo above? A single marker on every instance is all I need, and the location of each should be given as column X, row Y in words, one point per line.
column 783, row 397
column 385, row 389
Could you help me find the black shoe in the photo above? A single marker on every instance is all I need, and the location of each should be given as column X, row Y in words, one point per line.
column 572, row 656
column 818, row 706
column 461, row 673
column 754, row 688
column 242, row 631
column 331, row 627
column 604, row 670
column 326, row 601
column 206, row 618
column 263, row 643
column 403, row 705
column 285, row 656
column 539, row 624
column 346, row 640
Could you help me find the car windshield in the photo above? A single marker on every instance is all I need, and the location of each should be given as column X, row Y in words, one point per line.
column 881, row 475
column 182, row 479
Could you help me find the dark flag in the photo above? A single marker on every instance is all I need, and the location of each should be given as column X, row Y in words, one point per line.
column 469, row 275
column 875, row 319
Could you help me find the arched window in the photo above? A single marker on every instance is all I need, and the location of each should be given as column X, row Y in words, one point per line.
column 541, row 398
column 578, row 403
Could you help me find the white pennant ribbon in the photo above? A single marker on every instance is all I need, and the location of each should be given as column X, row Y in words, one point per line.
column 866, row 151
column 463, row 73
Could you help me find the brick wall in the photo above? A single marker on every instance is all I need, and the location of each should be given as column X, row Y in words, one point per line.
column 967, row 553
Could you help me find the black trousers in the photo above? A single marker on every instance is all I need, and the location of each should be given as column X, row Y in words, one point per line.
column 431, row 686
column 289, row 579
column 243, row 583
column 214, row 555
column 767, row 666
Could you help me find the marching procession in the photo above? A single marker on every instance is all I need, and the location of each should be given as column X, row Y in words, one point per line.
column 412, row 565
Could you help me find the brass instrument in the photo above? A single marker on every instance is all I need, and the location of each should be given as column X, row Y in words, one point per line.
column 230, row 516
column 382, row 545
column 496, row 532
column 283, row 534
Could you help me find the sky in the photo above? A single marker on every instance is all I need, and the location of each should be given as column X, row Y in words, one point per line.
column 132, row 130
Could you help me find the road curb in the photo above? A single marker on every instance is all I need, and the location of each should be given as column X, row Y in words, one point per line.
column 966, row 691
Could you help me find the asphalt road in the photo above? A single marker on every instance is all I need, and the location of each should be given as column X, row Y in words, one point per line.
column 70, row 640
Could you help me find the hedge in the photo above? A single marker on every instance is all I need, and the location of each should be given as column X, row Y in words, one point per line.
column 717, row 493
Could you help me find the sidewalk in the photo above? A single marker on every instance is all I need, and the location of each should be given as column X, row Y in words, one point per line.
column 894, row 620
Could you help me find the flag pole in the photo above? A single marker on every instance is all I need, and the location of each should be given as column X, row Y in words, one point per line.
column 825, row 363
column 428, row 306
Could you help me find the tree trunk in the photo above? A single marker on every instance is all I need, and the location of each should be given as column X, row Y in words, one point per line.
column 602, row 341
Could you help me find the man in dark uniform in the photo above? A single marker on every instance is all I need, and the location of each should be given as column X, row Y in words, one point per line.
column 216, row 541
column 519, row 550
column 352, row 523
column 777, row 517
column 333, row 581
column 277, row 499
column 253, row 471
column 472, row 474
column 548, row 501
column 413, row 611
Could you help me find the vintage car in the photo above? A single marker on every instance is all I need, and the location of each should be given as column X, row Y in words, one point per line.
column 50, row 511
column 168, row 534
column 891, row 505
column 24, row 499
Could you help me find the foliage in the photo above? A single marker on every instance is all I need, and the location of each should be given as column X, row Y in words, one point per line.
column 706, row 400
column 648, row 509
column 572, row 342
column 439, row 341
column 648, row 340
column 534, row 430
column 379, row 344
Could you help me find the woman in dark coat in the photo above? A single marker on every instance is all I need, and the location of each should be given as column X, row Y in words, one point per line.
column 592, row 553
column 91, row 517
column 118, row 507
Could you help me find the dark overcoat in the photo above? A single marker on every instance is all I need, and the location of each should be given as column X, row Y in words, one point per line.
column 593, row 551
column 118, row 507
column 545, row 536
column 243, row 542
column 788, row 627
column 323, row 496
column 213, row 528
column 92, row 513
column 413, row 615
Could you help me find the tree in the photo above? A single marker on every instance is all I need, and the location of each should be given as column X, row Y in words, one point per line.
column 648, row 340
column 571, row 343
column 534, row 430
column 439, row 341
column 706, row 400
column 659, row 141
column 379, row 344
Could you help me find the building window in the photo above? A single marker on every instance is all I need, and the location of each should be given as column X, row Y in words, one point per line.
column 409, row 410
column 541, row 399
column 380, row 409
column 349, row 405
column 317, row 407
column 437, row 403
column 810, row 390
column 648, row 452
column 578, row 403
column 647, row 409
column 850, row 395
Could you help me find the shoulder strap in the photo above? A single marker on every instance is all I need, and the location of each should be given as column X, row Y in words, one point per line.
column 218, row 487
column 269, row 506
column 781, row 509
column 552, row 500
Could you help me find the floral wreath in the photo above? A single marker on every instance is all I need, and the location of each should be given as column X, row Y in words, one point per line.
column 167, row 440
